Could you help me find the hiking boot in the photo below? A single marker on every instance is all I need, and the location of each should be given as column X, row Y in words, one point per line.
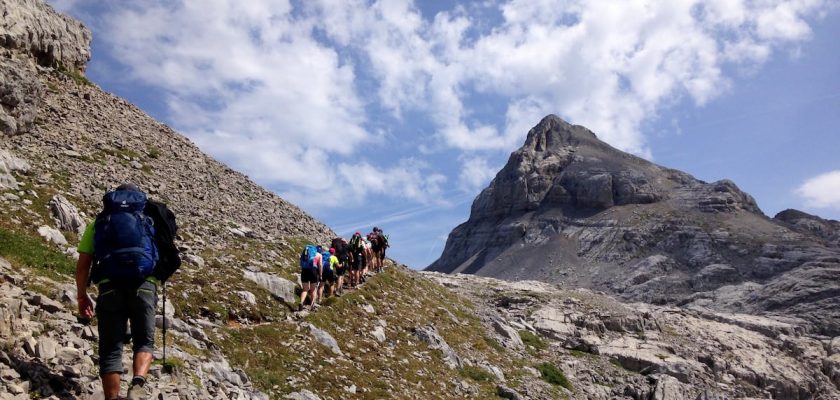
column 300, row 307
column 137, row 392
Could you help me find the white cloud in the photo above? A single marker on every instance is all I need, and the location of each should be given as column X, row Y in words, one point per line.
column 476, row 173
column 247, row 82
column 283, row 90
column 604, row 64
column 365, row 184
column 822, row 191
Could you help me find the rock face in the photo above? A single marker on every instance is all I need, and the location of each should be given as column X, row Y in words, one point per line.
column 31, row 33
column 568, row 208
column 51, row 39
column 612, row 350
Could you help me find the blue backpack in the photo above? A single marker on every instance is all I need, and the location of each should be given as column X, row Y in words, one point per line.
column 124, row 239
column 325, row 260
column 307, row 257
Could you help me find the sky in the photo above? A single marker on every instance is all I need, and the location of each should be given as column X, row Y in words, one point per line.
column 397, row 113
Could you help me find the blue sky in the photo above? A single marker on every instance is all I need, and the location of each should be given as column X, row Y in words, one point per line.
column 397, row 113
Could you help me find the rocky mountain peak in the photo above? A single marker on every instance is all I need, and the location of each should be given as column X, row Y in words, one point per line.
column 568, row 208
column 553, row 133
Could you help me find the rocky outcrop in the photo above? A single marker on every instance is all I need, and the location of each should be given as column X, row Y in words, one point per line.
column 66, row 216
column 430, row 336
column 31, row 32
column 282, row 289
column 20, row 96
column 569, row 209
column 679, row 354
column 10, row 164
column 803, row 222
column 33, row 28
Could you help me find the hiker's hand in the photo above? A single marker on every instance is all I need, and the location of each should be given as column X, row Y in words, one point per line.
column 85, row 306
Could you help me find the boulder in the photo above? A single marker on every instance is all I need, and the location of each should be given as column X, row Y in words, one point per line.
column 66, row 215
column 323, row 337
column 282, row 289
column 302, row 395
column 429, row 335
column 52, row 235
column 379, row 334
column 10, row 163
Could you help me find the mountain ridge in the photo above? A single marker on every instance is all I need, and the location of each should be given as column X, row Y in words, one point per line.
column 570, row 209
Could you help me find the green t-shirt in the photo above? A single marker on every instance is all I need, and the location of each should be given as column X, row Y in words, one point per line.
column 333, row 262
column 86, row 244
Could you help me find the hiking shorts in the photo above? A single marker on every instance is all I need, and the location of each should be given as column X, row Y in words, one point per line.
column 309, row 275
column 329, row 277
column 340, row 271
column 356, row 265
column 117, row 304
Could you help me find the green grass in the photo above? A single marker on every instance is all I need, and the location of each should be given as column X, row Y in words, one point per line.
column 532, row 340
column 404, row 301
column 154, row 152
column 173, row 363
column 553, row 375
column 477, row 374
column 493, row 343
column 75, row 75
column 32, row 252
column 581, row 354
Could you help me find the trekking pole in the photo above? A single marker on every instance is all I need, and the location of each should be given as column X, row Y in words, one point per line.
column 166, row 367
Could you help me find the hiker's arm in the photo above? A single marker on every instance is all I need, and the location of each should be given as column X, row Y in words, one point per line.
column 82, row 276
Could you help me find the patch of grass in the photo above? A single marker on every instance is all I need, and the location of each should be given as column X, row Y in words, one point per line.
column 173, row 363
column 581, row 354
column 75, row 75
column 477, row 374
column 532, row 340
column 493, row 343
column 553, row 375
column 153, row 152
column 32, row 252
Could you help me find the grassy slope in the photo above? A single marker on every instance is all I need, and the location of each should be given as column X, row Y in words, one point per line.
column 402, row 366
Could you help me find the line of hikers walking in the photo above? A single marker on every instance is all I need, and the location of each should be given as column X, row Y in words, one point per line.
column 324, row 268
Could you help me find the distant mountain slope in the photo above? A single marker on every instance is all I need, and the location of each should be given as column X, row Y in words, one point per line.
column 570, row 209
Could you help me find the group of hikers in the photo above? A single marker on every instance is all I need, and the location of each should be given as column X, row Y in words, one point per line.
column 129, row 251
column 323, row 269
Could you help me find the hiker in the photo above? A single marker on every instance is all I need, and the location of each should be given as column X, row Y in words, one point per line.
column 376, row 249
column 367, row 259
column 331, row 273
column 310, row 265
column 383, row 239
column 343, row 255
column 126, row 252
column 356, row 252
column 327, row 274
